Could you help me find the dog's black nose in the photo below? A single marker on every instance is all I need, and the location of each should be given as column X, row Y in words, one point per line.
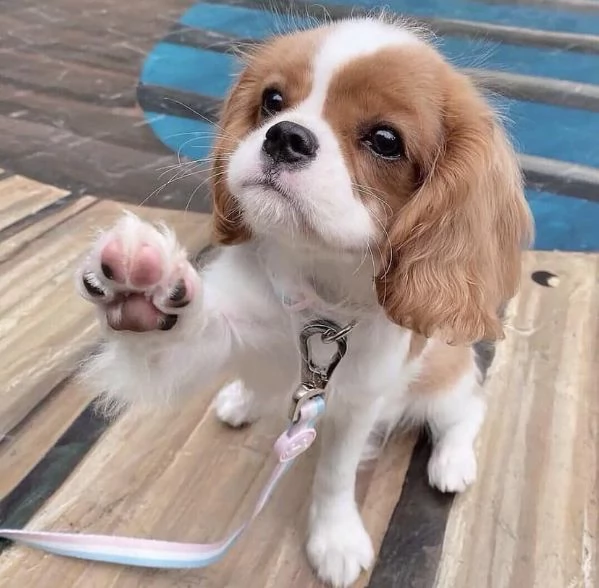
column 288, row 142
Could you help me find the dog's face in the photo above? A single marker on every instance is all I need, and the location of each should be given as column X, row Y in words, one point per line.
column 359, row 135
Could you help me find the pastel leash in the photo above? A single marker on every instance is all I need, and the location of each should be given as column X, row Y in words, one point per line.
column 307, row 406
column 150, row 553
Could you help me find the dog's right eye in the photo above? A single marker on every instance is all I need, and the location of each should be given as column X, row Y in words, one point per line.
column 272, row 102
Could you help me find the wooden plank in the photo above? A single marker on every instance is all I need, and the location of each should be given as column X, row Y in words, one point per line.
column 531, row 520
column 44, row 326
column 20, row 197
column 70, row 71
column 62, row 78
column 65, row 159
column 106, row 35
column 26, row 237
column 24, row 447
column 195, row 481
column 75, row 39
column 119, row 26
column 413, row 542
column 119, row 126
column 19, row 506
column 533, row 505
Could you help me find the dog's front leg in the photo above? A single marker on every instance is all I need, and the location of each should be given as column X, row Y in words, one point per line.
column 338, row 545
column 164, row 334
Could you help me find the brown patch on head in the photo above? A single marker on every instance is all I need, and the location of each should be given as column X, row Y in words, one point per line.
column 442, row 367
column 396, row 87
column 455, row 214
column 283, row 63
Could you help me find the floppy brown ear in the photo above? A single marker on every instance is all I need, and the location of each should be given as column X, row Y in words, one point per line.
column 236, row 120
column 455, row 248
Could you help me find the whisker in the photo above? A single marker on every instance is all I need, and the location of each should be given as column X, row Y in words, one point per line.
column 201, row 116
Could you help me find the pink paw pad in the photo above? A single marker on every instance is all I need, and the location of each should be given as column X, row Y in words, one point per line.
column 145, row 267
column 140, row 280
column 134, row 313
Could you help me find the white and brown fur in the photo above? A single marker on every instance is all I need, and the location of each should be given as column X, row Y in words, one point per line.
column 421, row 250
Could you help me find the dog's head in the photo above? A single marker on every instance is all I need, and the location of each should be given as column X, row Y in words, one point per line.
column 360, row 135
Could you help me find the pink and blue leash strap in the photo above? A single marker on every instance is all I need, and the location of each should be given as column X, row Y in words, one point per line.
column 150, row 553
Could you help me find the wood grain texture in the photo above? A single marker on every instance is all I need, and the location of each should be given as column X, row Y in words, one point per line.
column 49, row 473
column 20, row 196
column 68, row 112
column 412, row 545
column 124, row 126
column 97, row 166
column 195, row 480
column 531, row 520
column 26, row 236
column 25, row 446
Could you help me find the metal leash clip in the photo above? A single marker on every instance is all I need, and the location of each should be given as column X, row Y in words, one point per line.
column 314, row 378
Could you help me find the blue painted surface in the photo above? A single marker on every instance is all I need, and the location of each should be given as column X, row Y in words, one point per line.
column 239, row 21
column 567, row 65
column 534, row 61
column 535, row 17
column 186, row 68
column 550, row 131
column 538, row 129
column 563, row 223
column 507, row 14
column 188, row 138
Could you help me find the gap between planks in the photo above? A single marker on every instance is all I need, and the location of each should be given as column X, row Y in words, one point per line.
column 21, row 197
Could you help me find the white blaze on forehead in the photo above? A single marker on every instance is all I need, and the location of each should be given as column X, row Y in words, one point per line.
column 349, row 40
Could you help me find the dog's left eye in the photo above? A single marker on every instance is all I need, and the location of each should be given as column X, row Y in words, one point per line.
column 272, row 102
column 385, row 142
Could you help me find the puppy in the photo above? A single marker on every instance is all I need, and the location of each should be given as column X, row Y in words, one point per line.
column 357, row 177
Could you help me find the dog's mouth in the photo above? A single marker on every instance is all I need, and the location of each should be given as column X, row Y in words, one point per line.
column 270, row 181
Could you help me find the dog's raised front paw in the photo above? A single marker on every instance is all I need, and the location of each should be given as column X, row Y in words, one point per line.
column 139, row 277
column 339, row 547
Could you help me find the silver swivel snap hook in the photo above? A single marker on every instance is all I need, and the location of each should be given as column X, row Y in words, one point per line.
column 315, row 377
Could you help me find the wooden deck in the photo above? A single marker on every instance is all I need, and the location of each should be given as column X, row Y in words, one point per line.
column 530, row 521
column 76, row 148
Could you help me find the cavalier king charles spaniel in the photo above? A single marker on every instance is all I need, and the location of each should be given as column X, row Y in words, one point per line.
column 357, row 176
